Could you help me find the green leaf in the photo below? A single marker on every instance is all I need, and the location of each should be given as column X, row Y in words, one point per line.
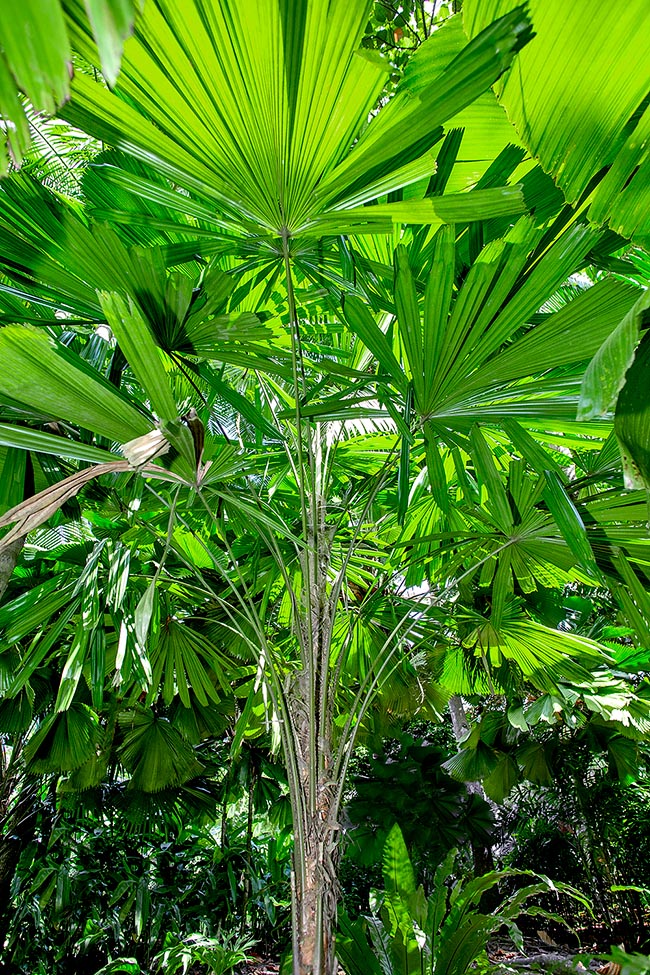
column 143, row 614
column 15, row 137
column 436, row 467
column 403, row 479
column 437, row 303
column 572, row 109
column 574, row 332
column 24, row 438
column 73, row 668
column 408, row 316
column 488, row 475
column 396, row 865
column 213, row 127
column 182, row 662
column 97, row 666
column 128, row 965
column 155, row 753
column 34, row 607
column 43, row 374
column 13, row 465
column 624, row 756
column 65, row 740
column 362, row 323
column 141, row 352
column 531, row 451
column 409, row 125
column 605, row 376
column 632, row 419
column 500, row 782
column 112, row 22
column 35, row 44
column 352, row 948
column 471, row 764
column 532, row 758
column 634, row 598
column 222, row 390
column 39, row 649
column 568, row 520
column 504, row 201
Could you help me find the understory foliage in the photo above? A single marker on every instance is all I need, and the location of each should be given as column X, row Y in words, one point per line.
column 96, row 882
column 446, row 932
column 323, row 417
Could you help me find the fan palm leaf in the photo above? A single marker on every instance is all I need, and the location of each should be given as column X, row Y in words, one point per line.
column 264, row 112
column 563, row 79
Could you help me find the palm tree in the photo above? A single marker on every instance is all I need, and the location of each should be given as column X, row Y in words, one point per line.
column 302, row 462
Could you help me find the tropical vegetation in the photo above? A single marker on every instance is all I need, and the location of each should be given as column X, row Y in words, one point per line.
column 324, row 412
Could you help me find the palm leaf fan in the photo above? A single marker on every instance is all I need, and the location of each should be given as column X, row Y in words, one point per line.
column 263, row 111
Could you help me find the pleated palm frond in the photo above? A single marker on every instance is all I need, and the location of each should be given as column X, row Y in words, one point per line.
column 574, row 113
column 262, row 112
column 541, row 655
column 58, row 258
column 142, row 814
column 185, row 663
column 471, row 352
column 154, row 752
column 65, row 740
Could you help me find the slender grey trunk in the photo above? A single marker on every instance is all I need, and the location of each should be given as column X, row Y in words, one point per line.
column 315, row 887
column 314, row 884
column 459, row 720
column 315, row 890
column 314, row 893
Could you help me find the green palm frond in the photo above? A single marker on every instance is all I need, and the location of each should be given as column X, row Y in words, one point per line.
column 576, row 115
column 185, row 663
column 246, row 120
column 541, row 655
column 65, row 740
column 154, row 752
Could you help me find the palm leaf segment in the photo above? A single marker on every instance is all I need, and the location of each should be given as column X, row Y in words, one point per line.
column 262, row 110
column 466, row 352
column 573, row 112
column 36, row 58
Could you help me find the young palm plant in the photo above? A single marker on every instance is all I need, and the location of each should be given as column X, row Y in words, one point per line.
column 268, row 437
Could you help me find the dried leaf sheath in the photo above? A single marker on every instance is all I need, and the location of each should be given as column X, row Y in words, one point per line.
column 34, row 511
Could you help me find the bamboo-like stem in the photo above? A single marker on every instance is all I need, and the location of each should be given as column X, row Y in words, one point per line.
column 309, row 502
column 313, row 892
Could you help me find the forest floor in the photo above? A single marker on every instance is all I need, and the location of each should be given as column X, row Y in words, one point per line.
column 540, row 955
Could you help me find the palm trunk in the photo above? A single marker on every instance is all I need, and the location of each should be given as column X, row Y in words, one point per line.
column 310, row 740
column 315, row 894
column 315, row 887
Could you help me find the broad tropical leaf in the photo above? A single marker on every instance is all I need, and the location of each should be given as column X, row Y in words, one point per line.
column 64, row 386
column 573, row 112
column 37, row 59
